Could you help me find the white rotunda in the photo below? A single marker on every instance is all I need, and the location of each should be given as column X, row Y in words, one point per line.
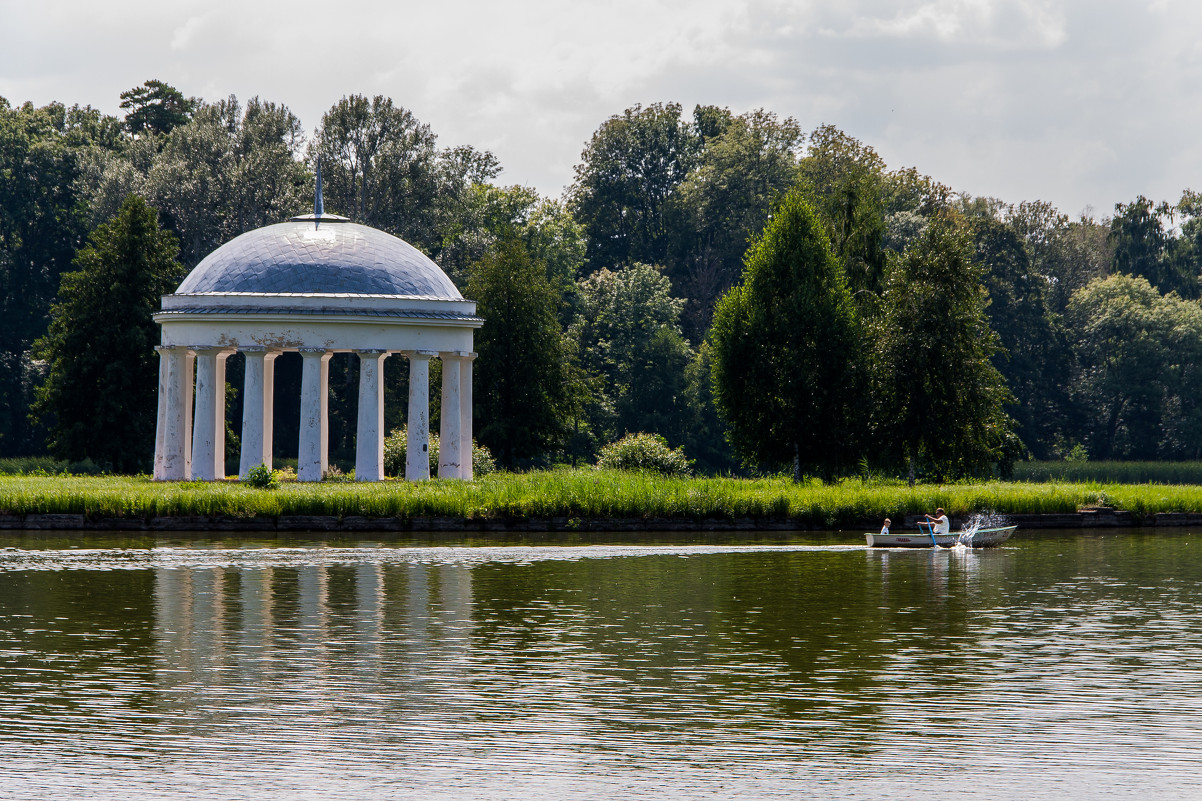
column 318, row 284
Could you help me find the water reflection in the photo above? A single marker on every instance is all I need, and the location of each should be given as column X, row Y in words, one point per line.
column 1062, row 666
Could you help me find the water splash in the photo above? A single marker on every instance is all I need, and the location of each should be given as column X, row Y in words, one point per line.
column 981, row 520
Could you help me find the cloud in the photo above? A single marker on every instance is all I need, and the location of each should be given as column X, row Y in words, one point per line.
column 1075, row 102
column 1016, row 24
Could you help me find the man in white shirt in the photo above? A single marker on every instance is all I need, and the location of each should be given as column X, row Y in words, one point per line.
column 941, row 523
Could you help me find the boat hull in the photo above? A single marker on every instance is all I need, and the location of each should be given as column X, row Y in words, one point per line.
column 983, row 538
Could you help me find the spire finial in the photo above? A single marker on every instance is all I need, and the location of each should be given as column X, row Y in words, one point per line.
column 318, row 205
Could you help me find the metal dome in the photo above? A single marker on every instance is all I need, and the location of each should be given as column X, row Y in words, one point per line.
column 319, row 254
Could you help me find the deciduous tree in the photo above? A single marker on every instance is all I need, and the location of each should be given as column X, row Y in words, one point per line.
column 522, row 381
column 627, row 174
column 746, row 164
column 939, row 398
column 381, row 167
column 44, row 153
column 1137, row 377
column 229, row 170
column 1034, row 355
column 629, row 340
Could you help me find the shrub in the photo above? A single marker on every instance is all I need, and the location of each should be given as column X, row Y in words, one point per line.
column 483, row 462
column 646, row 452
column 49, row 466
column 334, row 473
column 262, row 477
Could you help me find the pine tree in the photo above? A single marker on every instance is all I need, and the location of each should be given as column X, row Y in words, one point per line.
column 100, row 393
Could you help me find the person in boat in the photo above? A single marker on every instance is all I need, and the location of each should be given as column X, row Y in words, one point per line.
column 939, row 523
column 885, row 528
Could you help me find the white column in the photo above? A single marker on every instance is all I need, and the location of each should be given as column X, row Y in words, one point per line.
column 449, row 447
column 369, row 435
column 417, row 445
column 465, row 416
column 175, row 429
column 324, row 380
column 311, row 455
column 190, row 383
column 219, row 428
column 208, row 429
column 257, row 409
column 269, row 405
column 160, row 428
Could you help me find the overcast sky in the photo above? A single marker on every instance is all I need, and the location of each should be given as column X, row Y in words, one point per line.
column 1081, row 103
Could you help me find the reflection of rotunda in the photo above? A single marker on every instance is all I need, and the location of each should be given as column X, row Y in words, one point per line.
column 318, row 284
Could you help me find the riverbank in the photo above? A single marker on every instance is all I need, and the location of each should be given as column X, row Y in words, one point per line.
column 566, row 500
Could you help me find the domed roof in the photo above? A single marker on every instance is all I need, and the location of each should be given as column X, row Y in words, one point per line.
column 323, row 254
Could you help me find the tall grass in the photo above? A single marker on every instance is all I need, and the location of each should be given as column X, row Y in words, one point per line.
column 1111, row 472
column 583, row 494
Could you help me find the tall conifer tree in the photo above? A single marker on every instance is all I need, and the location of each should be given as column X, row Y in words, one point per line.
column 101, row 388
column 784, row 345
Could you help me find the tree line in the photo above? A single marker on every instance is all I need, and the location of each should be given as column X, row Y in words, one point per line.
column 763, row 297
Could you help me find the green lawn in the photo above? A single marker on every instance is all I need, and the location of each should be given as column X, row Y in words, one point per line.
column 577, row 494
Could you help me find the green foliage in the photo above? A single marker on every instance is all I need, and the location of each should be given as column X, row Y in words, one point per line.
column 629, row 344
column 846, row 180
column 1068, row 254
column 48, row 466
column 522, row 377
column 1141, row 246
column 156, row 108
column 230, row 170
column 1033, row 340
column 784, row 346
column 1138, row 378
column 44, row 153
column 627, row 174
column 100, row 391
column 746, row 164
column 644, row 452
column 489, row 212
column 705, row 435
column 939, row 399
column 334, row 473
column 1080, row 471
column 381, row 167
column 397, row 443
column 262, row 477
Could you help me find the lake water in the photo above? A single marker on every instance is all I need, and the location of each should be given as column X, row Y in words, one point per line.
column 1065, row 665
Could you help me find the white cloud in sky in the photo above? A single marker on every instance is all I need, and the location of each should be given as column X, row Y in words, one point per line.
column 1080, row 103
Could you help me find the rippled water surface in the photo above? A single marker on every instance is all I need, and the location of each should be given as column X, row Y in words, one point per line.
column 1061, row 666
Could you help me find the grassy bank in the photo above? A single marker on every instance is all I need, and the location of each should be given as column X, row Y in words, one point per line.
column 575, row 494
column 1111, row 472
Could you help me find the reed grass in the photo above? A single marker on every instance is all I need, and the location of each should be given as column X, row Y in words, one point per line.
column 1110, row 472
column 581, row 494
